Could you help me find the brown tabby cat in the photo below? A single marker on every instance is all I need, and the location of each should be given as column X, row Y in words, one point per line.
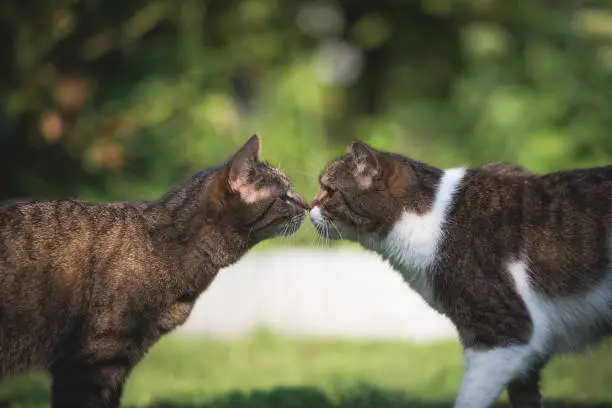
column 520, row 262
column 86, row 288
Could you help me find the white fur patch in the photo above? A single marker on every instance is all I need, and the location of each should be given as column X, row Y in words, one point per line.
column 567, row 324
column 364, row 181
column 488, row 372
column 412, row 244
column 364, row 175
column 316, row 216
column 250, row 194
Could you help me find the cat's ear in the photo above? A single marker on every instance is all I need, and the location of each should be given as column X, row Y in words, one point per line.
column 367, row 164
column 242, row 164
column 235, row 177
column 241, row 172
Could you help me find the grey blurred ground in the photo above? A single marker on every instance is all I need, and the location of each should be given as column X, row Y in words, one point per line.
column 331, row 293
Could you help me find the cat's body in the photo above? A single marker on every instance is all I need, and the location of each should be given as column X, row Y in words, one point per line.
column 521, row 263
column 103, row 269
column 86, row 289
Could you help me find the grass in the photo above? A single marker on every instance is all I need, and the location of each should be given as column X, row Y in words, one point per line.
column 266, row 371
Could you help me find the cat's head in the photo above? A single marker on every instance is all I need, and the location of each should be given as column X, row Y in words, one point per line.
column 253, row 198
column 362, row 194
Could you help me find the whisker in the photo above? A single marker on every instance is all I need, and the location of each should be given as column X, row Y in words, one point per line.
column 321, row 237
column 296, row 227
column 336, row 228
column 326, row 231
column 284, row 231
column 314, row 236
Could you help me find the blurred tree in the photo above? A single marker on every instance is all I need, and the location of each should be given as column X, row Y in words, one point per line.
column 118, row 100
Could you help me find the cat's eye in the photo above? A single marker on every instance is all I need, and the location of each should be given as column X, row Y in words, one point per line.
column 293, row 198
column 328, row 192
column 286, row 196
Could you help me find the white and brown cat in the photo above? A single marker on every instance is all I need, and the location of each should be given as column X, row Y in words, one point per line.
column 521, row 263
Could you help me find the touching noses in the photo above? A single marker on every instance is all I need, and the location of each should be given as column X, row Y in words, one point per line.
column 316, row 215
column 319, row 199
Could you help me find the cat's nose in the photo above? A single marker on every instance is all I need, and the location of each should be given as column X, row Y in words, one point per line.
column 319, row 198
column 302, row 201
column 316, row 215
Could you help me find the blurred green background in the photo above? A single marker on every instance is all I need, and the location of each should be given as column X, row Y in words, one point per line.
column 266, row 370
column 118, row 100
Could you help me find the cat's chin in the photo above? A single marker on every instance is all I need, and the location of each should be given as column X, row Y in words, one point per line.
column 326, row 233
column 333, row 231
column 287, row 229
column 329, row 229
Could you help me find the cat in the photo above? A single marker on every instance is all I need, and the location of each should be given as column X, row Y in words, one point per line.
column 519, row 262
column 501, row 168
column 87, row 288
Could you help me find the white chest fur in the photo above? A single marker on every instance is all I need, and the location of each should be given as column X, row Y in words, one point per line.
column 412, row 245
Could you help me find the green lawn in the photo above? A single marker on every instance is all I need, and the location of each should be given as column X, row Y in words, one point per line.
column 265, row 371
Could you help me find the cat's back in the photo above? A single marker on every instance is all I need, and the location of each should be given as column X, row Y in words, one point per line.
column 71, row 244
column 40, row 232
column 573, row 206
column 563, row 218
column 56, row 247
column 589, row 187
column 498, row 188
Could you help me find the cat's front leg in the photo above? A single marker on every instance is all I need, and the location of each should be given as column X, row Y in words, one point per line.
column 88, row 383
column 489, row 371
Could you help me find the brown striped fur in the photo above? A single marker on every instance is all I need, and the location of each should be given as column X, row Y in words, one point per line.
column 87, row 288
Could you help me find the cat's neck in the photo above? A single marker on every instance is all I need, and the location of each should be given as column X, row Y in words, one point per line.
column 412, row 244
column 415, row 237
column 180, row 221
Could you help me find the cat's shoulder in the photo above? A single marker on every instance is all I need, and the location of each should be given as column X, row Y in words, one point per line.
column 503, row 169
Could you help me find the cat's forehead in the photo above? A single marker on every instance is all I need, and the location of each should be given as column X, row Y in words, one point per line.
column 273, row 174
column 335, row 170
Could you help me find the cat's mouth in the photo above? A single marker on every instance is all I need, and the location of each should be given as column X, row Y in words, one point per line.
column 325, row 225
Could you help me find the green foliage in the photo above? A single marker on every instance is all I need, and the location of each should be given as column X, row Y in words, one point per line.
column 268, row 371
column 119, row 103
